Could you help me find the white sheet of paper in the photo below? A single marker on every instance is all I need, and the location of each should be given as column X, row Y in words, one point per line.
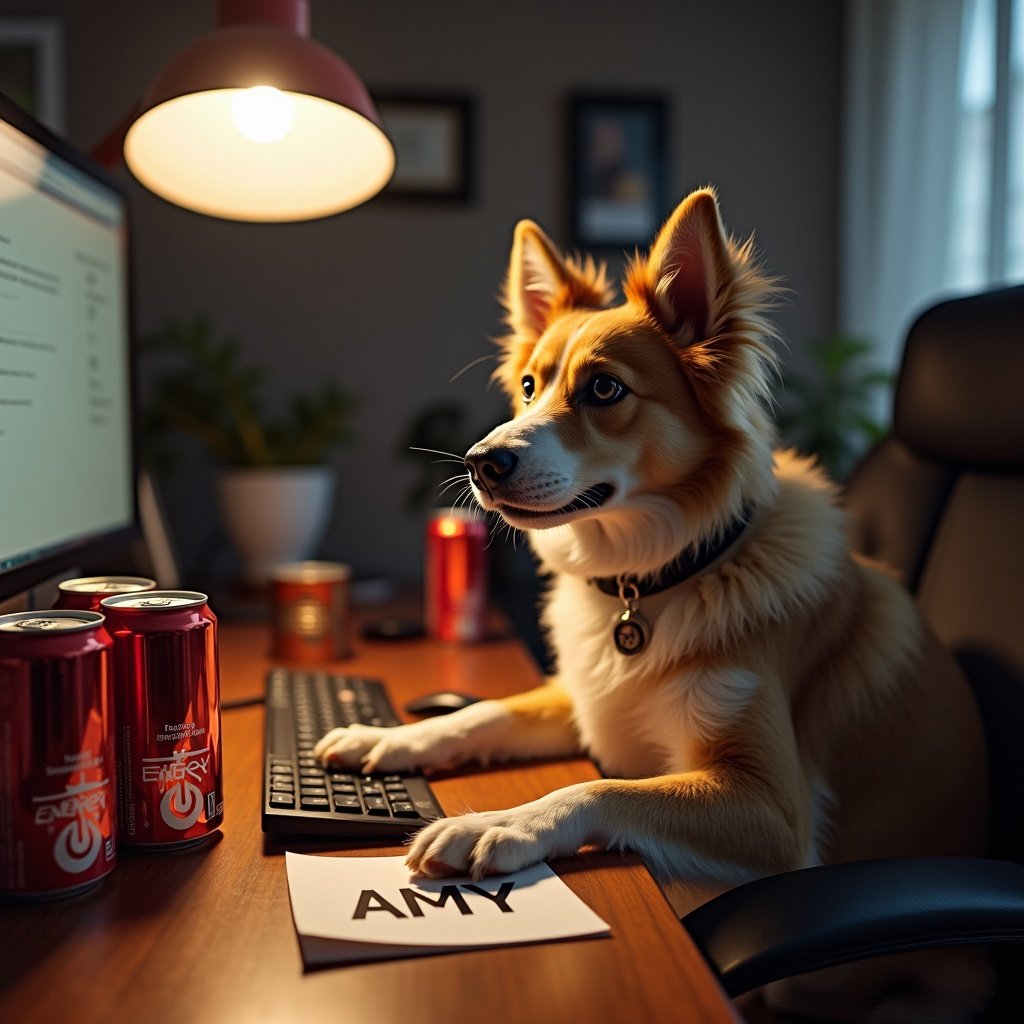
column 376, row 900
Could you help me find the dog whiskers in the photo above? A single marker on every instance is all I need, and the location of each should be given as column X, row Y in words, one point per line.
column 500, row 527
column 474, row 362
column 448, row 456
column 463, row 497
column 446, row 485
column 503, row 528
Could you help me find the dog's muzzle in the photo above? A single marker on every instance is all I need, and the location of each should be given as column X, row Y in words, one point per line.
column 489, row 467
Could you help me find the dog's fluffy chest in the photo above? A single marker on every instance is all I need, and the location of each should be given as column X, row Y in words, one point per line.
column 631, row 719
column 711, row 635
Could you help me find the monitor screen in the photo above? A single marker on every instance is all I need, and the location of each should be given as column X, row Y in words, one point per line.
column 67, row 478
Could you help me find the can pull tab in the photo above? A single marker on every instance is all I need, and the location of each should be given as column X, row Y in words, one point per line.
column 631, row 631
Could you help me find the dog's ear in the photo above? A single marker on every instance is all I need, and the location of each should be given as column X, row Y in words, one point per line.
column 541, row 284
column 689, row 266
column 539, row 287
column 535, row 276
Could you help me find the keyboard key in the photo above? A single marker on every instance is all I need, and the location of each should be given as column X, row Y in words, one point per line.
column 302, row 707
column 376, row 805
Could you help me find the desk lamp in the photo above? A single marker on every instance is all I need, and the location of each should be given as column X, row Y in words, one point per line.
column 256, row 121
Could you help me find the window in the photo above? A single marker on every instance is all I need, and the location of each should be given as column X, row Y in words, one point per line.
column 987, row 227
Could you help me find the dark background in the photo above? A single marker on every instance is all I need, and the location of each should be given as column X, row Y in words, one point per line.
column 393, row 298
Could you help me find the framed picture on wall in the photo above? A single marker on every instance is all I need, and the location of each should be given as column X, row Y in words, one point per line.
column 31, row 67
column 433, row 140
column 617, row 172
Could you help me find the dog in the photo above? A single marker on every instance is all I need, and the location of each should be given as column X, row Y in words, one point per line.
column 757, row 698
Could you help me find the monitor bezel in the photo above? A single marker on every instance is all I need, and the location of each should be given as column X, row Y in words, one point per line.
column 84, row 550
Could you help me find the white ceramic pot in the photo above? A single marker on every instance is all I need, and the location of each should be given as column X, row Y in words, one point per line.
column 276, row 514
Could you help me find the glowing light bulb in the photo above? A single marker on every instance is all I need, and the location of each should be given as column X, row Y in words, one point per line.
column 263, row 113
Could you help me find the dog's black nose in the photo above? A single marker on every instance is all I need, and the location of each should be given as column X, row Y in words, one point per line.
column 491, row 466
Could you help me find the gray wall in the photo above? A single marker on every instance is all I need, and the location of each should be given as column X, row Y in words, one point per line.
column 392, row 299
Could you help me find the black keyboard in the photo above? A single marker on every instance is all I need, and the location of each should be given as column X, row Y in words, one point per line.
column 299, row 796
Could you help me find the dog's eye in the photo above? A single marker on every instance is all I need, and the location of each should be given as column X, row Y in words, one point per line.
column 528, row 388
column 604, row 390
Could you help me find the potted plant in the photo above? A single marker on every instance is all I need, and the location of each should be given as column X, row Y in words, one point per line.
column 432, row 441
column 831, row 409
column 275, row 486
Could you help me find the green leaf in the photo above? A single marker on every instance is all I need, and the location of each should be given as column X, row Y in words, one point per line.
column 213, row 395
column 830, row 405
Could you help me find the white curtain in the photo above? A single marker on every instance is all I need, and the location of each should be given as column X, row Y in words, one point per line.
column 901, row 140
column 933, row 161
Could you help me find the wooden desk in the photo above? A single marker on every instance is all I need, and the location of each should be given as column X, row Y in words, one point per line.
column 206, row 935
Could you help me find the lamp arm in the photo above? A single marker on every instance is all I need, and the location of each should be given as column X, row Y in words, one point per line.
column 109, row 151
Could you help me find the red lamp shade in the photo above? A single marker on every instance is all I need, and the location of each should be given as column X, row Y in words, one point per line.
column 256, row 121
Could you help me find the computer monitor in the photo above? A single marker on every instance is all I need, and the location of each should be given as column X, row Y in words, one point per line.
column 67, row 461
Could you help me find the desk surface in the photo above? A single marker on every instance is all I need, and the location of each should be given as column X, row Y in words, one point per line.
column 206, row 934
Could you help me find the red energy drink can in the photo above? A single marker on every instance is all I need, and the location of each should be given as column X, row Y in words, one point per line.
column 87, row 592
column 456, row 576
column 312, row 614
column 167, row 698
column 57, row 766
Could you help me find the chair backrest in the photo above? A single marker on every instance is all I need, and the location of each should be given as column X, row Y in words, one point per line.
column 941, row 500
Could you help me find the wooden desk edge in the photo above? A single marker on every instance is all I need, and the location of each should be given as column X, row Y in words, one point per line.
column 135, row 946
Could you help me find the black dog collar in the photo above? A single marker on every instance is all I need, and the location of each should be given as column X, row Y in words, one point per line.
column 631, row 631
column 687, row 563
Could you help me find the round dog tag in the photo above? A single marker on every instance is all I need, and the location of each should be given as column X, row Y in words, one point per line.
column 630, row 633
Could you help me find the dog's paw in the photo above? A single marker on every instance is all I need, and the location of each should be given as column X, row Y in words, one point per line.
column 349, row 747
column 500, row 842
column 474, row 844
column 399, row 748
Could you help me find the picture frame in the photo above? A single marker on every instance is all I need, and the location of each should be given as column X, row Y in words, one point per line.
column 32, row 67
column 433, row 140
column 617, row 169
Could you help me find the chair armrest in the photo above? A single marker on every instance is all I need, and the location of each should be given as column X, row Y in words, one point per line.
column 799, row 921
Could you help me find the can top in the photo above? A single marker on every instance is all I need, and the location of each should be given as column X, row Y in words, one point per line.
column 457, row 522
column 106, row 585
column 462, row 513
column 310, row 572
column 26, row 623
column 155, row 601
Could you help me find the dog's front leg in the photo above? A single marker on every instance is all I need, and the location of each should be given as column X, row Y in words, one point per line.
column 700, row 825
column 534, row 724
column 745, row 812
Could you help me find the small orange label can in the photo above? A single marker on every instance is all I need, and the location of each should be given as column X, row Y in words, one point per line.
column 312, row 620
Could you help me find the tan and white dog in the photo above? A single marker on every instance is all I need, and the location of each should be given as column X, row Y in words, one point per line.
column 757, row 699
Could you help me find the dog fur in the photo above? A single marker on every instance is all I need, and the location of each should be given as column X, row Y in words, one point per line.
column 790, row 707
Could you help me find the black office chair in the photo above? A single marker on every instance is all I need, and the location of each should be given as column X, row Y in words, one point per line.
column 940, row 499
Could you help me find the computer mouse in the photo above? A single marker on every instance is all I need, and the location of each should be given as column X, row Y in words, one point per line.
column 442, row 702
